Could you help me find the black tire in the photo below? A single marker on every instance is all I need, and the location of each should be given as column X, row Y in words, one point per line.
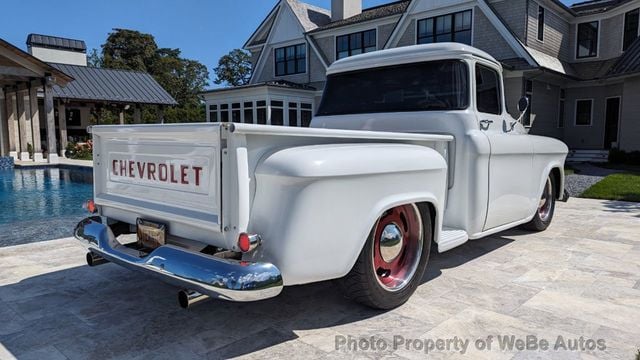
column 362, row 284
column 542, row 219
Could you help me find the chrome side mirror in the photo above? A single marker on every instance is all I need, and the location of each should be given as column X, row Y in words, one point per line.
column 523, row 104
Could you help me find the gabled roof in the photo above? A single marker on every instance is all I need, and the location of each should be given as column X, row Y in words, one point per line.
column 596, row 6
column 628, row 63
column 394, row 8
column 310, row 17
column 55, row 42
column 33, row 62
column 122, row 86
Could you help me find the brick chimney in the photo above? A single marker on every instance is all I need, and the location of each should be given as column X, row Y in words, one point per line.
column 344, row 9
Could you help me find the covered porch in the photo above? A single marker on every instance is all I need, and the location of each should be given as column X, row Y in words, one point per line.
column 23, row 79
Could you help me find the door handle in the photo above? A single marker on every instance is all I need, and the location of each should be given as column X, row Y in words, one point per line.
column 484, row 124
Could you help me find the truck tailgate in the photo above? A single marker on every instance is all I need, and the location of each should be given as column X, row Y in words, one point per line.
column 165, row 173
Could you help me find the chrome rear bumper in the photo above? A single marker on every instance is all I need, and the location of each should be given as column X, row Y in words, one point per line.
column 219, row 278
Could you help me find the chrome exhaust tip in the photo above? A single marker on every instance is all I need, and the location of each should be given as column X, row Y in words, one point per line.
column 95, row 260
column 189, row 298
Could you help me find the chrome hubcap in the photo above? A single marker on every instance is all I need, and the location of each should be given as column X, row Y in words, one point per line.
column 391, row 242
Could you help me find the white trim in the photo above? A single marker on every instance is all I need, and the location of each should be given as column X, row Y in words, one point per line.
column 260, row 62
column 258, row 30
column 516, row 45
column 604, row 133
column 575, row 113
column 575, row 48
column 311, row 43
column 347, row 29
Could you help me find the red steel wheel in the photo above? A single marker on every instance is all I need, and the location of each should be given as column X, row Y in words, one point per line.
column 397, row 246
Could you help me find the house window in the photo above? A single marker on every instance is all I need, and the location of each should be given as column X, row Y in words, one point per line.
column 528, row 92
column 261, row 112
column 248, row 112
column 236, row 113
column 454, row 27
column 488, row 90
column 291, row 60
column 561, row 109
column 213, row 113
column 584, row 112
column 587, row 40
column 540, row 23
column 356, row 43
column 224, row 113
column 293, row 114
column 305, row 115
column 631, row 22
column 277, row 113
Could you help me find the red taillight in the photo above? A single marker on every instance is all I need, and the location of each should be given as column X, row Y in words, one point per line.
column 244, row 243
column 90, row 206
column 248, row 242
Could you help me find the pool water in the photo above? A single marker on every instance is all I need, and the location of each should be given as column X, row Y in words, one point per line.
column 39, row 204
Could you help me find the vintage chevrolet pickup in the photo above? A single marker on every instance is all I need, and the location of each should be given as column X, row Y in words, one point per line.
column 409, row 147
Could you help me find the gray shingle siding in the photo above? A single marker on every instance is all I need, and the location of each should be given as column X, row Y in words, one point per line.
column 611, row 37
column 545, row 108
column 630, row 120
column 326, row 45
column 384, row 32
column 556, row 33
column 487, row 38
column 514, row 14
column 409, row 36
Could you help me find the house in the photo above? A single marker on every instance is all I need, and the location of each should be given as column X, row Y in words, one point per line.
column 579, row 65
column 49, row 94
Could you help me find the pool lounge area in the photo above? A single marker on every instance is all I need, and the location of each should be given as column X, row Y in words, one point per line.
column 40, row 203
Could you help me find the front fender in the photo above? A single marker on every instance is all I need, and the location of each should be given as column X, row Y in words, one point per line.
column 314, row 206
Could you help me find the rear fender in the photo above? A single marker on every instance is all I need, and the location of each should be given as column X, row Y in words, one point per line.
column 316, row 205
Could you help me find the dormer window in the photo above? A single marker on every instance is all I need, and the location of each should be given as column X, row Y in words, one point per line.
column 356, row 43
column 631, row 20
column 454, row 27
column 291, row 60
column 587, row 40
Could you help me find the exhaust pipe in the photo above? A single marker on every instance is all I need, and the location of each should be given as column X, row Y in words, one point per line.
column 189, row 298
column 95, row 260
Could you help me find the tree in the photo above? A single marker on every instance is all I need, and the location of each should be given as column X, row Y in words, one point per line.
column 129, row 49
column 234, row 69
column 182, row 78
column 94, row 58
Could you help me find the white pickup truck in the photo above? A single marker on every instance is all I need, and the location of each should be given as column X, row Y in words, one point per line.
column 409, row 147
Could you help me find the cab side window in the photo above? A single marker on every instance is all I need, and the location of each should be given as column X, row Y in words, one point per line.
column 488, row 90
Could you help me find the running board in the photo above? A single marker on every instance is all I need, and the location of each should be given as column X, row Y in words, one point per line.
column 450, row 238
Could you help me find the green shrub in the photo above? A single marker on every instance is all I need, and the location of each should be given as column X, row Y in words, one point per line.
column 79, row 151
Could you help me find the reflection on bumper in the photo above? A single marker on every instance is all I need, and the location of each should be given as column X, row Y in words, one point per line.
column 219, row 278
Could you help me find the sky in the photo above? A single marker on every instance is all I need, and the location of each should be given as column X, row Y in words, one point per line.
column 204, row 30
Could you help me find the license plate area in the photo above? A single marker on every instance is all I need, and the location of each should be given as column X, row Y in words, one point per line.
column 151, row 235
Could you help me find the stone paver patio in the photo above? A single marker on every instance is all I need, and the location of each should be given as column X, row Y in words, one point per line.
column 581, row 278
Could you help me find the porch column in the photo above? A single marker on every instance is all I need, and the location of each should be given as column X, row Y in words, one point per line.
column 51, row 122
column 24, row 125
column 137, row 116
column 121, row 116
column 160, row 113
column 4, row 133
column 35, row 122
column 62, row 127
column 12, row 124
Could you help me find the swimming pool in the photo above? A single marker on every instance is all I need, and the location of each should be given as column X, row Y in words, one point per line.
column 39, row 204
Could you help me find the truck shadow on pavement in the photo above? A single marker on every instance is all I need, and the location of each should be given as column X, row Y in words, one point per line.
column 108, row 311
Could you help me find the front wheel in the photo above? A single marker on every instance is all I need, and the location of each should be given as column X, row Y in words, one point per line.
column 546, row 206
column 393, row 260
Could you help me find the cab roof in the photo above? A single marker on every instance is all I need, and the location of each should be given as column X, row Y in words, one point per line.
column 408, row 55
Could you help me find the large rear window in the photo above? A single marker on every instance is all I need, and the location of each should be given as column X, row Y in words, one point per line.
column 428, row 86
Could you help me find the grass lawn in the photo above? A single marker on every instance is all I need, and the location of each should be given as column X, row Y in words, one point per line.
column 624, row 187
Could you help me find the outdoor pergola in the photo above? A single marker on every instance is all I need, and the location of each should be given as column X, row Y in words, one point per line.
column 22, row 77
